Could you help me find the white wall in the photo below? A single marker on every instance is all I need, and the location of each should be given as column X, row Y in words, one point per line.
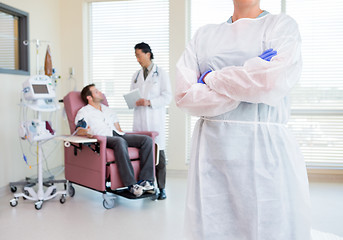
column 63, row 24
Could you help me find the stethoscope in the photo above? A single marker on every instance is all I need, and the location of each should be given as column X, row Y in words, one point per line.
column 153, row 74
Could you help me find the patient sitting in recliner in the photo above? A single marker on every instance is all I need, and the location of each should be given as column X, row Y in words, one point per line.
column 99, row 119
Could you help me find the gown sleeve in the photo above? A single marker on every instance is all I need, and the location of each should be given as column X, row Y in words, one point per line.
column 195, row 98
column 260, row 81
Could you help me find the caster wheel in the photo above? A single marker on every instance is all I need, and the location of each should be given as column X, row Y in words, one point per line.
column 63, row 199
column 13, row 189
column 71, row 191
column 39, row 205
column 108, row 204
column 13, row 202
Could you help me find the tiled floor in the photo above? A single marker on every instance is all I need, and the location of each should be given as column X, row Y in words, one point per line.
column 84, row 217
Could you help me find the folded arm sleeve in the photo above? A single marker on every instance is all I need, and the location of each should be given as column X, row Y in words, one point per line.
column 196, row 98
column 260, row 81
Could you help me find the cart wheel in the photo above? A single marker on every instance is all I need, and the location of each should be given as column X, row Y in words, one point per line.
column 39, row 205
column 13, row 189
column 109, row 203
column 14, row 202
column 71, row 191
column 63, row 199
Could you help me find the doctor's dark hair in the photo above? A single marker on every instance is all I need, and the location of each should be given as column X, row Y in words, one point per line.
column 145, row 48
column 86, row 92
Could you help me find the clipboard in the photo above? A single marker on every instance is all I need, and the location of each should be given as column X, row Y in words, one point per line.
column 132, row 97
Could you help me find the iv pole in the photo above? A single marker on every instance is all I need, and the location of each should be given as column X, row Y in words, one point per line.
column 29, row 192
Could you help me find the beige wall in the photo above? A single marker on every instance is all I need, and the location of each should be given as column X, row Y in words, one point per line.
column 63, row 24
column 45, row 24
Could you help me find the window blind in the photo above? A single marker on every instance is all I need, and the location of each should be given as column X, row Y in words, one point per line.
column 317, row 101
column 8, row 44
column 115, row 27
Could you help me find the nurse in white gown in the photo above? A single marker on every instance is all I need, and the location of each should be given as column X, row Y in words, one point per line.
column 247, row 177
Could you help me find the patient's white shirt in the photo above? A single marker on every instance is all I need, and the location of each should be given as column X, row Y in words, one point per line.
column 100, row 122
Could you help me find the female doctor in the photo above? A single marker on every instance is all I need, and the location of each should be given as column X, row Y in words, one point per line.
column 247, row 178
column 150, row 111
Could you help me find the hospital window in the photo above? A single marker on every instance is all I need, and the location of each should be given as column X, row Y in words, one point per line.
column 115, row 27
column 317, row 100
column 14, row 56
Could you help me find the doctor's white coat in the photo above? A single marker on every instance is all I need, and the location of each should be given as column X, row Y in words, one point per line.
column 156, row 88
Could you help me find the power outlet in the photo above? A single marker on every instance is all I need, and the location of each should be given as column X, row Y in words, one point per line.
column 71, row 71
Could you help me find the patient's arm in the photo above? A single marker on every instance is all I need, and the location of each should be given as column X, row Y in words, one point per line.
column 117, row 126
column 83, row 132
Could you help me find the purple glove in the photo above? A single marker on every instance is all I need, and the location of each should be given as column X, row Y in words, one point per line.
column 268, row 54
column 201, row 79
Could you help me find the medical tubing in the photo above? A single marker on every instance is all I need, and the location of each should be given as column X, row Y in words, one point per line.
column 23, row 115
column 201, row 79
column 46, row 162
column 76, row 131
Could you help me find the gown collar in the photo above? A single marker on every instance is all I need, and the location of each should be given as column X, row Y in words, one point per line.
column 261, row 15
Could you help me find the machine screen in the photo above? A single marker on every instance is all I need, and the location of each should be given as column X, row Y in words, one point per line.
column 40, row 89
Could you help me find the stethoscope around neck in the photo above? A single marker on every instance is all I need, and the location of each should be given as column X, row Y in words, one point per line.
column 153, row 74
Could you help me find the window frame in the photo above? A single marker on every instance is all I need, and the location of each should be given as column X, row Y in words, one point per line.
column 23, row 34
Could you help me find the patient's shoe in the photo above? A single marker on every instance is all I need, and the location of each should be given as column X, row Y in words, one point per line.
column 147, row 185
column 136, row 190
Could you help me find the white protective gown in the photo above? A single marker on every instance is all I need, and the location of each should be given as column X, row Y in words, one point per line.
column 247, row 177
column 156, row 88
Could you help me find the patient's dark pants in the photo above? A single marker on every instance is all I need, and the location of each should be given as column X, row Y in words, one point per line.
column 120, row 143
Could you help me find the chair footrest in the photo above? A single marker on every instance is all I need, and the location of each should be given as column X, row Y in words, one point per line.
column 127, row 194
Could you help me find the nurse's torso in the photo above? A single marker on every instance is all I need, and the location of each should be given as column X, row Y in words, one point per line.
column 231, row 44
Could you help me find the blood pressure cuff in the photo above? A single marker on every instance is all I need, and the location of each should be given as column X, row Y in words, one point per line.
column 81, row 123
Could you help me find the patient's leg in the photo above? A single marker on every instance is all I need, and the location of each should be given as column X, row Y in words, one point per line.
column 144, row 143
column 119, row 146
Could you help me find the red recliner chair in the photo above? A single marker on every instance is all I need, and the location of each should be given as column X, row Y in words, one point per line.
column 92, row 165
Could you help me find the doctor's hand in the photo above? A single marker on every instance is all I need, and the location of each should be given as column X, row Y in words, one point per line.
column 143, row 102
column 268, row 54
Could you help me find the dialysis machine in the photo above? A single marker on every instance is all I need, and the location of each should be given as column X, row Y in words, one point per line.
column 39, row 96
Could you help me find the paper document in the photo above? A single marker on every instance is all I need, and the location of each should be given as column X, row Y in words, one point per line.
column 132, row 97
